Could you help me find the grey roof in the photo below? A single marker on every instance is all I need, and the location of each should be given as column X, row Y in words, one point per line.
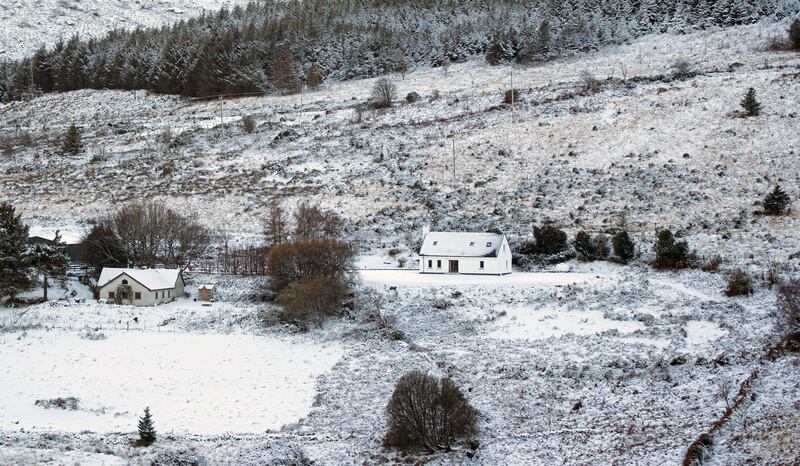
column 443, row 243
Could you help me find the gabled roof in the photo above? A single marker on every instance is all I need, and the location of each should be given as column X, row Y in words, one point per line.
column 442, row 243
column 206, row 287
column 152, row 279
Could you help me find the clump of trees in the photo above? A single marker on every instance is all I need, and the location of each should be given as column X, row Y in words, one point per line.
column 72, row 141
column 145, row 234
column 751, row 105
column 672, row 253
column 429, row 413
column 549, row 240
column 776, row 202
column 311, row 273
column 15, row 253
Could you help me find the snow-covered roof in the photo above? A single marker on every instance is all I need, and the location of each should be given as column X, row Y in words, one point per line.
column 152, row 279
column 445, row 243
column 207, row 287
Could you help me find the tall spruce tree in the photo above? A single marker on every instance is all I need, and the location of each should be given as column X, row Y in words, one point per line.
column 624, row 247
column 15, row 257
column 776, row 202
column 750, row 104
column 147, row 429
column 50, row 260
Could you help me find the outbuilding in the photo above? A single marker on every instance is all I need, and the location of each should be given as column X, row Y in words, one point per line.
column 465, row 253
column 206, row 292
column 140, row 287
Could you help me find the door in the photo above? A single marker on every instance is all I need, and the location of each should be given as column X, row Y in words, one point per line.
column 453, row 266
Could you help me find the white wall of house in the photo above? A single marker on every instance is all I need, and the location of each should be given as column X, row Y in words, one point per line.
column 140, row 295
column 470, row 265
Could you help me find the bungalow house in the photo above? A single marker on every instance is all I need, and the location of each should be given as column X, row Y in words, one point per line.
column 139, row 287
column 465, row 253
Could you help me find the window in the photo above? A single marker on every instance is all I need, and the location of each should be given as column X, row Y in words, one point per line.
column 124, row 282
column 472, row 243
column 110, row 295
column 481, row 265
column 488, row 244
column 438, row 264
column 430, row 263
column 137, row 295
column 435, row 243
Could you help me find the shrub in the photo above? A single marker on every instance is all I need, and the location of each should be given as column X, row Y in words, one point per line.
column 624, row 247
column 290, row 262
column 591, row 248
column 794, row 34
column 671, row 254
column 435, row 95
column 412, row 97
column 310, row 300
column 511, row 96
column 682, row 69
column 314, row 77
column 712, row 264
column 776, row 202
column 549, row 240
column 739, row 283
column 750, row 105
column 69, row 403
column 179, row 457
column 383, row 93
column 248, row 124
column 789, row 306
column 589, row 84
column 428, row 412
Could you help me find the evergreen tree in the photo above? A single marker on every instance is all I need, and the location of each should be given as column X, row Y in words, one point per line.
column 50, row 260
column 283, row 74
column 624, row 247
column 751, row 106
column 147, row 430
column 671, row 254
column 776, row 202
column 544, row 37
column 72, row 141
column 794, row 34
column 15, row 258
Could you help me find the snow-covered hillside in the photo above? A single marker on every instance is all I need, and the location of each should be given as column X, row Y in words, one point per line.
column 30, row 24
column 661, row 151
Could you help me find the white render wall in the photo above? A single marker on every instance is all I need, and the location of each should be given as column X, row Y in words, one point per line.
column 470, row 265
column 149, row 298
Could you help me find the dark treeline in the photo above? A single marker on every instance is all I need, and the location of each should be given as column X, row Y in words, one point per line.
column 276, row 44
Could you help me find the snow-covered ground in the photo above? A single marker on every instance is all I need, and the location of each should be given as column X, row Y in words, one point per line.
column 194, row 384
column 414, row 278
column 30, row 24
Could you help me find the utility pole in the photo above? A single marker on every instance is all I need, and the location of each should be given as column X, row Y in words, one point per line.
column 512, row 94
column 221, row 118
column 454, row 160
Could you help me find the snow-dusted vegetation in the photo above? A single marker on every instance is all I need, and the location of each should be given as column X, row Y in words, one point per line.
column 676, row 354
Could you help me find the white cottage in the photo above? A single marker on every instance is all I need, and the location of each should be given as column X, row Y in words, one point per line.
column 140, row 287
column 465, row 253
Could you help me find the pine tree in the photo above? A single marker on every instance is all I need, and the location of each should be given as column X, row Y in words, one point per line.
column 776, row 202
column 15, row 259
column 624, row 247
column 147, row 430
column 50, row 260
column 750, row 105
column 72, row 143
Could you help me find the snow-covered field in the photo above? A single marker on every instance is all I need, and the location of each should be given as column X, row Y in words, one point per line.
column 30, row 24
column 197, row 384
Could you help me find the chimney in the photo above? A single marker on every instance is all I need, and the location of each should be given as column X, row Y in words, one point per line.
column 425, row 230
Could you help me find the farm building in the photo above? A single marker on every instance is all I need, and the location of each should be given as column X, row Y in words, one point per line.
column 465, row 253
column 206, row 292
column 140, row 287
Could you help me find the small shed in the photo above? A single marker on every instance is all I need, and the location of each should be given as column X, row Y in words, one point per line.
column 206, row 292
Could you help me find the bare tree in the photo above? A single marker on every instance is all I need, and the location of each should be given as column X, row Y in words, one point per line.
column 383, row 93
column 313, row 222
column 789, row 306
column 275, row 228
